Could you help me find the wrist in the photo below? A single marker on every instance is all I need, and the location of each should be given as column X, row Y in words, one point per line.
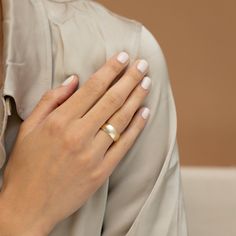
column 13, row 223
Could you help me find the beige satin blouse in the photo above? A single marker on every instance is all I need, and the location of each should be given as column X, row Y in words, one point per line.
column 46, row 41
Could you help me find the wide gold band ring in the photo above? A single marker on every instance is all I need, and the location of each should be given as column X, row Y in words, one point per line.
column 111, row 131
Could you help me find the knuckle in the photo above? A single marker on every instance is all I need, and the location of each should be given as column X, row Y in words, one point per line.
column 115, row 98
column 100, row 83
column 123, row 118
column 138, row 126
column 114, row 66
column 96, row 85
column 91, row 85
column 87, row 160
column 127, row 143
column 72, row 140
column 134, row 75
column 97, row 175
column 54, row 125
column 140, row 93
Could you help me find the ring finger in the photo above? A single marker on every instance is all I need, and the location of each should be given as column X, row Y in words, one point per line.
column 116, row 96
column 123, row 116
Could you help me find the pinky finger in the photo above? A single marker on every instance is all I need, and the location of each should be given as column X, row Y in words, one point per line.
column 118, row 150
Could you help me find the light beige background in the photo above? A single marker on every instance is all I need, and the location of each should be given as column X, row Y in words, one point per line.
column 198, row 38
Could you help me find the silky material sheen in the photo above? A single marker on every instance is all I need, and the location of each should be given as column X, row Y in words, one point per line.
column 45, row 42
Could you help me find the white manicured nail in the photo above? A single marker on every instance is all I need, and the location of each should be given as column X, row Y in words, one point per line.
column 146, row 82
column 145, row 113
column 142, row 66
column 123, row 57
column 68, row 80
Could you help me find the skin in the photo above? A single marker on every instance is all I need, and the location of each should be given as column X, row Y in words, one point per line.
column 45, row 183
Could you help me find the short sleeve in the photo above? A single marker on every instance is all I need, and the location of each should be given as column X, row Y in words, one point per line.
column 145, row 192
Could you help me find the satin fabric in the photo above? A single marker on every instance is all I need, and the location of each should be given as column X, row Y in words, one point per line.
column 45, row 42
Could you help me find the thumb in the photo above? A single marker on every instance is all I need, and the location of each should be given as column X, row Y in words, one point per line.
column 50, row 100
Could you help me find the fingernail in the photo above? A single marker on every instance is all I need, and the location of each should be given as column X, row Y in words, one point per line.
column 123, row 57
column 146, row 82
column 142, row 66
column 68, row 80
column 145, row 113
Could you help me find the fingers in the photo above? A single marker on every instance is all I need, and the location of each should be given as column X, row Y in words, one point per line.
column 50, row 101
column 88, row 94
column 124, row 115
column 116, row 95
column 118, row 150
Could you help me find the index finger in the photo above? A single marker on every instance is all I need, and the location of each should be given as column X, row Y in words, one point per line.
column 87, row 95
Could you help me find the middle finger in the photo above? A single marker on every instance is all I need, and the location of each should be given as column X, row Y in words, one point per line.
column 116, row 95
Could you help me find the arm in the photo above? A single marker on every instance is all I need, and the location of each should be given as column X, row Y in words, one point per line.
column 145, row 195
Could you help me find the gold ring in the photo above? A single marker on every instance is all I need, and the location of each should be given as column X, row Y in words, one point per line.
column 111, row 131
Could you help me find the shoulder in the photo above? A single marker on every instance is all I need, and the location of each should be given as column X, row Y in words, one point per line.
column 149, row 45
column 126, row 31
column 116, row 32
column 150, row 50
column 118, row 25
column 147, row 42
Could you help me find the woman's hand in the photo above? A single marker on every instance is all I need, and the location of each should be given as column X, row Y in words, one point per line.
column 61, row 156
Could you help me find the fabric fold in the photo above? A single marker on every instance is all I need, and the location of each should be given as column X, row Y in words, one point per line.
column 27, row 51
